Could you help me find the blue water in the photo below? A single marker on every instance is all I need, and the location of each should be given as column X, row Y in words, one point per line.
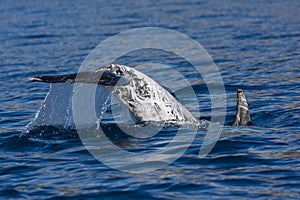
column 255, row 44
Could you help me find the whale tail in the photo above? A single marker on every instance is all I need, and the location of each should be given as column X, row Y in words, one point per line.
column 242, row 116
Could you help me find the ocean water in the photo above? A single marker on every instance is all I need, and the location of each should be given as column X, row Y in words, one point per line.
column 255, row 45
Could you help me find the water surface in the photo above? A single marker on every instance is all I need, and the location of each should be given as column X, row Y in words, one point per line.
column 255, row 44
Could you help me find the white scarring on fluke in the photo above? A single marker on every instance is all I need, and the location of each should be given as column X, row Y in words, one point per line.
column 146, row 99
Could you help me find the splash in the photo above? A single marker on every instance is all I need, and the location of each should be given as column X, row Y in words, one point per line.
column 56, row 109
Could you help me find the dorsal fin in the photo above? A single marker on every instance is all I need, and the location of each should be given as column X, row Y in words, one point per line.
column 242, row 117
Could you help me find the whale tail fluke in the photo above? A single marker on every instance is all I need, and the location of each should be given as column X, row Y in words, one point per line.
column 242, row 117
